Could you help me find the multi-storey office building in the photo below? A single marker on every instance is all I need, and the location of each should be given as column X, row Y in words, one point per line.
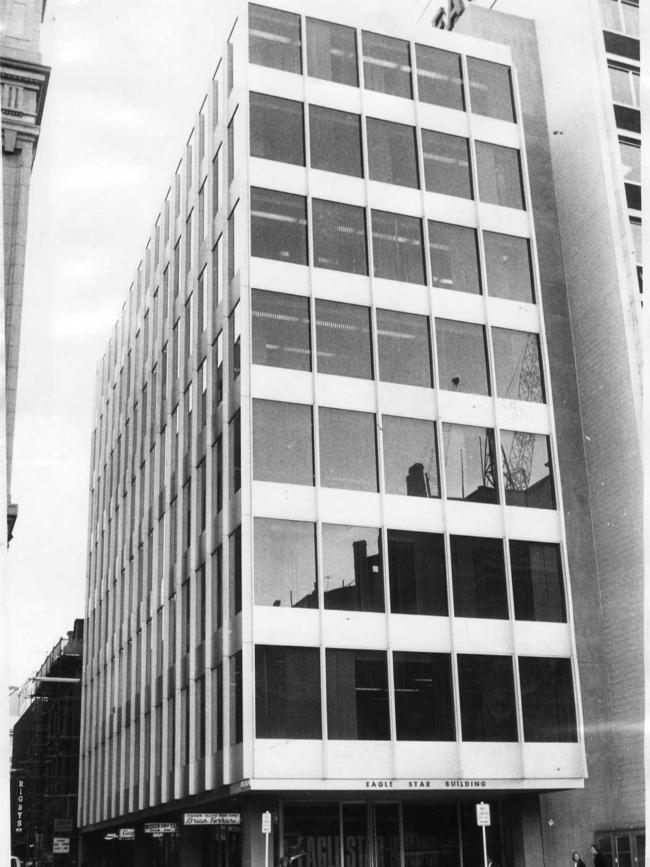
column 329, row 575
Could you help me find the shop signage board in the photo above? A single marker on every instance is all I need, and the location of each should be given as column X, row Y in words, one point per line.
column 160, row 827
column 110, row 835
column 62, row 825
column 483, row 814
column 212, row 819
column 127, row 833
column 60, row 845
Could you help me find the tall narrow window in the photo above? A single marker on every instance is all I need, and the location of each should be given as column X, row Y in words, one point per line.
column 276, row 129
column 404, row 348
column 508, row 267
column 335, row 141
column 446, row 164
column 343, row 340
column 281, row 330
column 416, row 565
column 517, row 365
column 235, row 572
column 236, row 699
column 278, row 226
column 479, row 577
column 386, row 64
column 424, row 701
column 287, row 692
column 490, row 89
column 487, row 698
column 547, row 699
column 235, row 453
column 348, row 450
column 462, row 357
column 339, row 237
column 527, row 470
column 234, row 331
column 398, row 247
column 285, row 563
column 231, row 149
column 283, row 442
column 470, row 463
column 357, row 695
column 332, row 52
column 454, row 257
column 537, row 583
column 274, row 38
column 499, row 175
column 440, row 77
column 353, row 575
column 392, row 153
column 218, row 364
column 410, row 457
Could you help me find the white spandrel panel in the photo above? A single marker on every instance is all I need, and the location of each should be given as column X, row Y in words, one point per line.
column 279, row 276
column 553, row 761
column 508, row 221
column 524, row 416
column 499, row 132
column 355, row 629
column 394, row 199
column 542, row 639
column 472, row 409
column 450, row 209
column 288, row 627
column 420, row 634
column 292, row 502
column 278, row 758
column 537, row 525
column 420, row 514
column 419, row 759
column 513, row 314
column 275, row 383
column 474, row 519
column 409, row 401
column 359, row 759
column 476, row 635
column 489, row 760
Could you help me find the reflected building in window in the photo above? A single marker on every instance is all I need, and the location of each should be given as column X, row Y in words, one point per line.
column 329, row 575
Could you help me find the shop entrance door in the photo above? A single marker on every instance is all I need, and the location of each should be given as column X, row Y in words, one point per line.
column 223, row 847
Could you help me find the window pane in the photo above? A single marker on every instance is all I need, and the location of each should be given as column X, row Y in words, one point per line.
column 479, row 577
column 410, row 456
column 276, row 129
column 547, row 699
column 304, row 823
column 527, row 470
column 637, row 234
column 287, row 692
column 609, row 14
column 339, row 237
column 499, row 175
column 621, row 85
column 424, row 702
column 343, row 342
column 462, row 357
column 335, row 141
column 357, row 695
column 470, row 467
column 353, row 578
column 487, row 698
column 630, row 18
column 332, row 52
column 386, row 64
column 633, row 196
column 490, row 89
column 631, row 158
column 397, row 243
column 446, row 164
column 416, row 565
column 404, row 348
column 274, row 38
column 508, row 267
column 431, row 835
column 285, row 563
column 440, row 77
column 278, row 226
column 282, row 442
column 281, row 335
column 348, row 450
column 537, row 581
column 518, row 369
column 454, row 257
column 392, row 153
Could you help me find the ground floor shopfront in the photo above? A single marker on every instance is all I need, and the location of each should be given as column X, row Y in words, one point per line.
column 359, row 829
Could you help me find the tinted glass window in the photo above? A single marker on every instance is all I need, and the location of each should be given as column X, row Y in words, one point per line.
column 416, row 565
column 470, row 463
column 343, row 343
column 547, row 699
column 631, row 160
column 281, row 335
column 440, row 77
column 410, row 456
column 276, row 129
column 424, row 703
column 282, row 442
column 397, row 246
column 386, row 64
column 490, row 89
column 527, row 470
column 479, row 577
column 462, row 357
column 454, row 257
column 487, row 698
column 353, row 578
column 278, row 226
column 508, row 267
column 348, row 450
column 332, row 52
column 285, row 563
column 307, row 821
column 404, row 348
column 517, row 365
column 274, row 38
column 357, row 695
column 335, row 141
column 339, row 237
column 537, row 581
column 287, row 692
column 392, row 152
column 446, row 164
column 433, row 828
column 499, row 175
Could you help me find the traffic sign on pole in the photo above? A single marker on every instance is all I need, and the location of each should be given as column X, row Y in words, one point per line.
column 483, row 814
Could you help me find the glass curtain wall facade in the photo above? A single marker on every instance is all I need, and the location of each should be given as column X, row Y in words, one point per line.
column 333, row 358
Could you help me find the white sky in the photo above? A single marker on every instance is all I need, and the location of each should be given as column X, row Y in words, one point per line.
column 127, row 78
